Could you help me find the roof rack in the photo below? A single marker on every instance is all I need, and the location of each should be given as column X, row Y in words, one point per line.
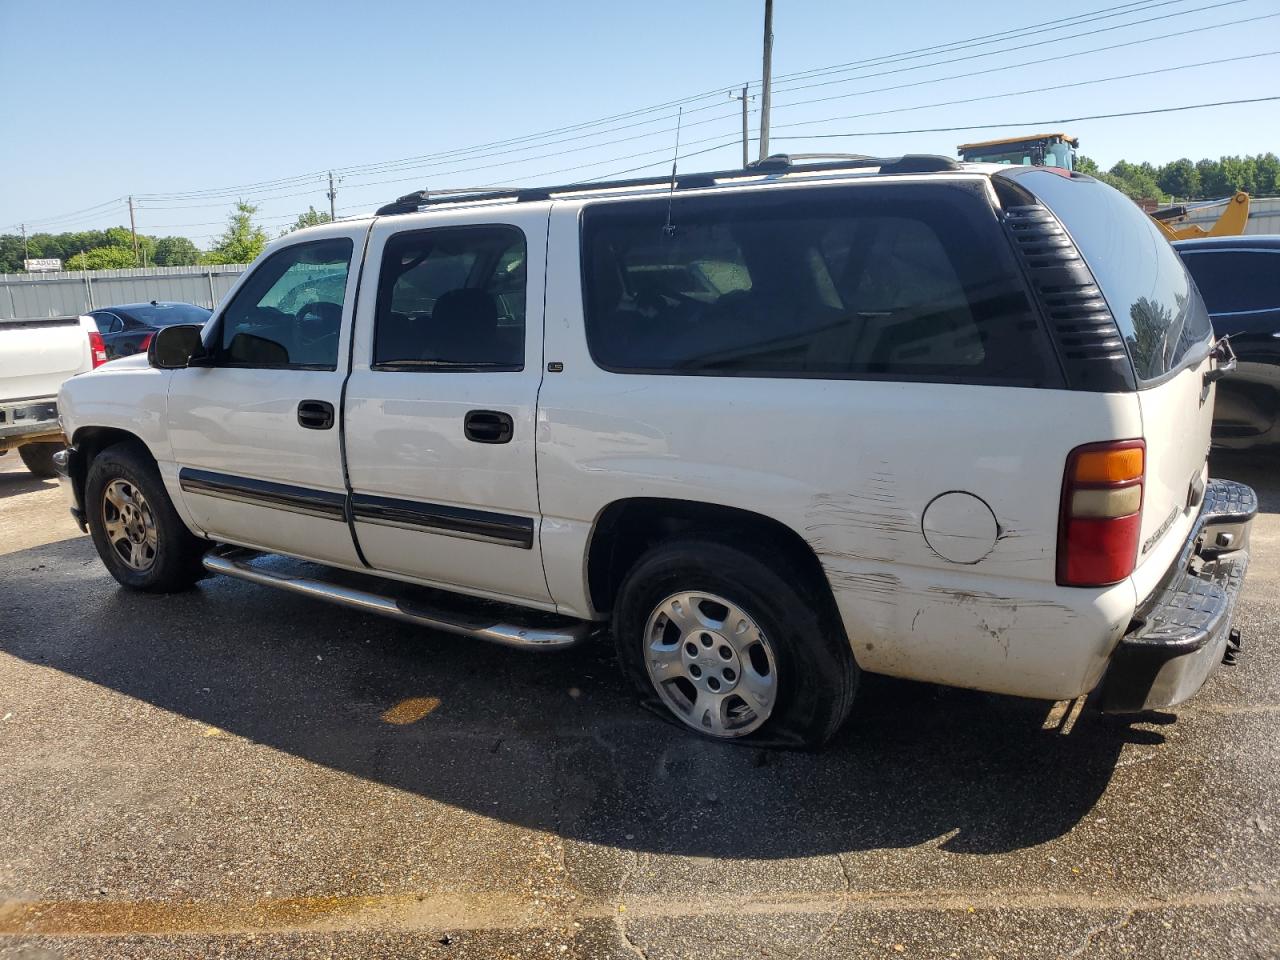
column 780, row 163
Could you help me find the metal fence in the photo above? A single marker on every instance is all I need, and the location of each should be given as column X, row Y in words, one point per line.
column 30, row 295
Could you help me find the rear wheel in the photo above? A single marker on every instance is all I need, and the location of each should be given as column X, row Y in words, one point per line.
column 722, row 642
column 39, row 458
column 139, row 536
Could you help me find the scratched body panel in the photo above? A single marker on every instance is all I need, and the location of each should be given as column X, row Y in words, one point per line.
column 851, row 466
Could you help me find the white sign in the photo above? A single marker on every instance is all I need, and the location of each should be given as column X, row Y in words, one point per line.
column 38, row 266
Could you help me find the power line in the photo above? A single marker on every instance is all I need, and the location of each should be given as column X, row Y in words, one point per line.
column 1017, row 93
column 438, row 157
column 76, row 213
column 269, row 191
column 161, row 206
column 1044, row 27
column 1031, row 63
column 1033, row 123
column 437, row 162
column 1038, row 43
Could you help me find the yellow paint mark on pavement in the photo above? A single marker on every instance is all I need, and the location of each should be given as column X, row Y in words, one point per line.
column 410, row 710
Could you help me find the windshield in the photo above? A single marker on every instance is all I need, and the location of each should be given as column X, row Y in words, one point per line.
column 168, row 314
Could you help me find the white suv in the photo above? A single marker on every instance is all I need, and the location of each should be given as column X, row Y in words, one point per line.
column 777, row 426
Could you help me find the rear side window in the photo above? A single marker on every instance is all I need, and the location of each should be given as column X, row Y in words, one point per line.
column 1155, row 304
column 876, row 281
column 1236, row 281
column 452, row 299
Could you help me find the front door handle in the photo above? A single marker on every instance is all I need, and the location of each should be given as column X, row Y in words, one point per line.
column 489, row 426
column 315, row 414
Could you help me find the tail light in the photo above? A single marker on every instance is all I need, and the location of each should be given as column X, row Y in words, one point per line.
column 97, row 349
column 145, row 342
column 1101, row 513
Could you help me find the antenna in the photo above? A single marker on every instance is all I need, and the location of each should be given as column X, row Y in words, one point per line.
column 669, row 230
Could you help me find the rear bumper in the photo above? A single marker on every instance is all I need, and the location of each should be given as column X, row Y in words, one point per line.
column 25, row 421
column 1181, row 632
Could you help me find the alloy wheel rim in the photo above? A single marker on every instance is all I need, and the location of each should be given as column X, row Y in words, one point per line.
column 711, row 664
column 130, row 525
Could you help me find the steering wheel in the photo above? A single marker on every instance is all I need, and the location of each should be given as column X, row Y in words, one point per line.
column 318, row 321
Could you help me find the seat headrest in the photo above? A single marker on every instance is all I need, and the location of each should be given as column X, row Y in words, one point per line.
column 470, row 309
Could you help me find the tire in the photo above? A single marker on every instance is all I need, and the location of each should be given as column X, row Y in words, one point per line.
column 140, row 537
column 39, row 458
column 764, row 651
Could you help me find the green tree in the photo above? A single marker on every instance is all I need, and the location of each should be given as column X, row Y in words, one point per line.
column 1180, row 179
column 1212, row 181
column 10, row 253
column 1087, row 165
column 175, row 252
column 1268, row 174
column 1134, row 180
column 312, row 218
column 243, row 239
column 1239, row 173
column 114, row 257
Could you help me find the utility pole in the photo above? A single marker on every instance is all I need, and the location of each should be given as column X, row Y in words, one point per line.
column 333, row 194
column 746, row 132
column 766, row 79
column 133, row 228
column 26, row 254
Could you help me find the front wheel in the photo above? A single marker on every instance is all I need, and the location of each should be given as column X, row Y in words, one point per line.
column 139, row 535
column 721, row 641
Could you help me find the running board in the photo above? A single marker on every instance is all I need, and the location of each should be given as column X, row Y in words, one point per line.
column 468, row 624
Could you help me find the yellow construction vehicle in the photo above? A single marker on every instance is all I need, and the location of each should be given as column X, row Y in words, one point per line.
column 1036, row 150
column 1230, row 223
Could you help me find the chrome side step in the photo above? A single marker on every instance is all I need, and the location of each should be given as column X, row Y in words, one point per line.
column 233, row 564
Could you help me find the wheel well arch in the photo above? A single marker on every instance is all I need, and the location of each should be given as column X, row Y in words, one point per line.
column 627, row 528
column 89, row 442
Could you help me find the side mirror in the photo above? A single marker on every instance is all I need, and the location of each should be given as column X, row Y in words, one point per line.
column 175, row 347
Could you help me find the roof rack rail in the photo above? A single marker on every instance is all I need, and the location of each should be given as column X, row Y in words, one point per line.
column 778, row 163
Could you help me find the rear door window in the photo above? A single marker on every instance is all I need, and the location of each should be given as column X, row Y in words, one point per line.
column 452, row 298
column 876, row 281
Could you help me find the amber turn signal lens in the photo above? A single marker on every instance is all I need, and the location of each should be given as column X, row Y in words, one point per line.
column 1109, row 466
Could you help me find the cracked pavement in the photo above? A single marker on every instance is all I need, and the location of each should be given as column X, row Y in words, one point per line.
column 235, row 772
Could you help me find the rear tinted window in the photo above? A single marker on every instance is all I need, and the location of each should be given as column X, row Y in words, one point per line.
column 1158, row 309
column 167, row 314
column 872, row 281
column 1236, row 281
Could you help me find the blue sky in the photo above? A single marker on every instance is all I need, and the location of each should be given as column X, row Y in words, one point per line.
column 196, row 104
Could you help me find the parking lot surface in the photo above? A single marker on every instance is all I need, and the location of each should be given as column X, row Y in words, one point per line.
column 237, row 772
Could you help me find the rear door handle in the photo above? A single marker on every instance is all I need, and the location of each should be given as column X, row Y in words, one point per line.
column 489, row 426
column 315, row 414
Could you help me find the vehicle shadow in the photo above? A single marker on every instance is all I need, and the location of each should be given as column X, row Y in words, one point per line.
column 556, row 742
column 16, row 482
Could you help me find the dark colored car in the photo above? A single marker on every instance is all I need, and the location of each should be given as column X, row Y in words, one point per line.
column 1239, row 278
column 128, row 328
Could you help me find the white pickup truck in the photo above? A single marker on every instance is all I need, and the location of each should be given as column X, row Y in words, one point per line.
column 36, row 356
column 774, row 426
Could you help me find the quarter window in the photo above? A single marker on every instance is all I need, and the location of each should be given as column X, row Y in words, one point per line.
column 1156, row 306
column 289, row 312
column 452, row 299
column 869, row 281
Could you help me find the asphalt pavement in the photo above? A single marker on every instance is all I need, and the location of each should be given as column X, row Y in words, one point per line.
column 236, row 772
